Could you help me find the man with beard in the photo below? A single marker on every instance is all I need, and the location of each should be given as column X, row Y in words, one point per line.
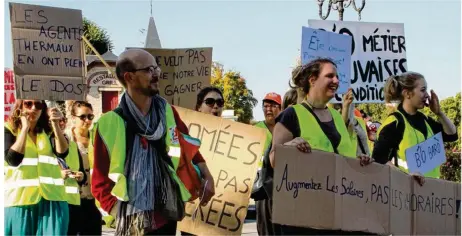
column 271, row 109
column 137, row 149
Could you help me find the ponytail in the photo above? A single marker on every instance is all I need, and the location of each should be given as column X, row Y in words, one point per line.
column 396, row 84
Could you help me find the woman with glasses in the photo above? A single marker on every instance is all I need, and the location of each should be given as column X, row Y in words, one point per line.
column 86, row 219
column 35, row 200
column 209, row 101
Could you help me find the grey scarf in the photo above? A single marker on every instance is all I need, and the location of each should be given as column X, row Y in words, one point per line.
column 146, row 187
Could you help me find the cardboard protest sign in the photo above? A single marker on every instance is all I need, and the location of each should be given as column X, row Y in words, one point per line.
column 48, row 52
column 184, row 73
column 232, row 151
column 427, row 155
column 378, row 51
column 318, row 43
column 327, row 191
column 9, row 93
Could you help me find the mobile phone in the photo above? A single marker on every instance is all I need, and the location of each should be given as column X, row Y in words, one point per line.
column 63, row 164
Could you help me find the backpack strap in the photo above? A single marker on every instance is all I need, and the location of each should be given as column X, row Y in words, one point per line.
column 400, row 127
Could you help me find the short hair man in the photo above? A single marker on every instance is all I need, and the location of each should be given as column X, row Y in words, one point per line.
column 137, row 148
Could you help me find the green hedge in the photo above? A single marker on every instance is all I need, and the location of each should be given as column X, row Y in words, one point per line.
column 451, row 169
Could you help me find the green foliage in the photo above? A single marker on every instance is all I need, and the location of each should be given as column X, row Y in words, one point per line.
column 451, row 169
column 378, row 112
column 97, row 36
column 236, row 94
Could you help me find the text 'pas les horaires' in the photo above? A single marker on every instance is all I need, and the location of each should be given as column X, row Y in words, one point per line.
column 378, row 194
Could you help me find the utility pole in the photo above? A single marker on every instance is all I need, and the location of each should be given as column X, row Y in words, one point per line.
column 340, row 5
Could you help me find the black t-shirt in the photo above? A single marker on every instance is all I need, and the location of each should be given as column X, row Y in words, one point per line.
column 289, row 119
column 390, row 136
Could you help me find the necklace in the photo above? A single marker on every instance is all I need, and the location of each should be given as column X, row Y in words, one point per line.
column 311, row 104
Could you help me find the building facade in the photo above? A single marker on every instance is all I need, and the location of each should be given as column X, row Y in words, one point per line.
column 104, row 90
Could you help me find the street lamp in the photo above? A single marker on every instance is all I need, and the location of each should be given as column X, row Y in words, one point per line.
column 340, row 5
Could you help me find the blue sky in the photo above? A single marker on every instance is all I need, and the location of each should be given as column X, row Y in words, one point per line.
column 261, row 38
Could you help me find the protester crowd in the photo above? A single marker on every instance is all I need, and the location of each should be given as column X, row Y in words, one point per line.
column 136, row 166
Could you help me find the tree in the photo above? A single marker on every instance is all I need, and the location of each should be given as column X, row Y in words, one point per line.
column 235, row 92
column 97, row 36
column 378, row 112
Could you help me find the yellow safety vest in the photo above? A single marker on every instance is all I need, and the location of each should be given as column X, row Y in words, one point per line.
column 111, row 128
column 72, row 187
column 37, row 176
column 269, row 138
column 411, row 137
column 311, row 131
column 107, row 218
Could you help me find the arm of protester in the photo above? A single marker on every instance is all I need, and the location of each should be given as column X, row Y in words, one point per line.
column 434, row 105
column 280, row 136
column 347, row 108
column 387, row 141
column 14, row 155
column 53, row 147
column 286, row 132
column 439, row 127
column 101, row 184
column 62, row 144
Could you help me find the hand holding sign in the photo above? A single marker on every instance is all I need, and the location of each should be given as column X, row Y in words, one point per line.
column 426, row 156
column 337, row 47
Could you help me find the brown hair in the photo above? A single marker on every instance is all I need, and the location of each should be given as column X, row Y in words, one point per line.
column 290, row 98
column 302, row 74
column 42, row 123
column 397, row 83
column 74, row 105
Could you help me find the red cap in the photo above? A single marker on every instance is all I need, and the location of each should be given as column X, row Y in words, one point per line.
column 273, row 97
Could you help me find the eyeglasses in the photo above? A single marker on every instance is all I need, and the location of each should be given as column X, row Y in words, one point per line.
column 37, row 105
column 212, row 101
column 151, row 69
column 64, row 120
column 83, row 117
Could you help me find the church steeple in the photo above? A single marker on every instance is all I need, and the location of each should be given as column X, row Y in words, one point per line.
column 152, row 37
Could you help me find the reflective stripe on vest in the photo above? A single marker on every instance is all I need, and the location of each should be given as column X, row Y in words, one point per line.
column 37, row 176
column 269, row 138
column 311, row 131
column 412, row 137
column 72, row 187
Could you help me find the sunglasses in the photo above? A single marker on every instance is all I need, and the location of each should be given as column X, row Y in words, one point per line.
column 89, row 117
column 29, row 104
column 211, row 102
